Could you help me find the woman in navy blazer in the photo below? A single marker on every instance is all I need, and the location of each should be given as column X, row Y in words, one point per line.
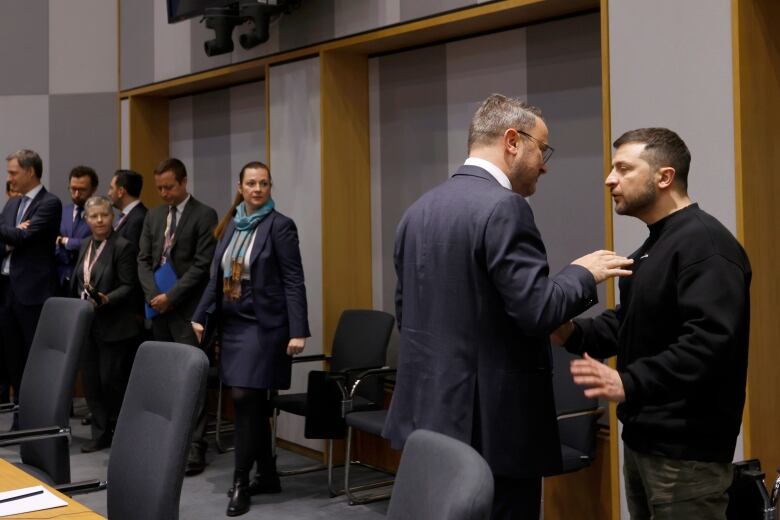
column 257, row 297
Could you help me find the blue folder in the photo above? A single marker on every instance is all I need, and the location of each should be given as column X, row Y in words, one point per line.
column 164, row 279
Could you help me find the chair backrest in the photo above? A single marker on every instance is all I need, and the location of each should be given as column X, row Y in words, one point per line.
column 361, row 340
column 47, row 383
column 440, row 477
column 149, row 451
column 578, row 433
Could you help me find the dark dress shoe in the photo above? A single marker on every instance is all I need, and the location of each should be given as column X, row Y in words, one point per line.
column 262, row 486
column 96, row 445
column 240, row 499
column 196, row 461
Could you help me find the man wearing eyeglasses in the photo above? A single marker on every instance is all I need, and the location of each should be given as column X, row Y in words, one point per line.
column 475, row 306
column 82, row 183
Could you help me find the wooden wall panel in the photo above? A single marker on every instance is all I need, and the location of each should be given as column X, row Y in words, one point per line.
column 756, row 112
column 149, row 141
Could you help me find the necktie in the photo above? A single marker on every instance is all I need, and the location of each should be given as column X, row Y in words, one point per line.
column 172, row 227
column 77, row 219
column 22, row 208
column 118, row 222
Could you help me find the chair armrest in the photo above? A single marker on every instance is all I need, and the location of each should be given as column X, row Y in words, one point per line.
column 33, row 434
column 8, row 408
column 84, row 486
column 571, row 414
column 346, row 403
column 372, row 372
column 313, row 357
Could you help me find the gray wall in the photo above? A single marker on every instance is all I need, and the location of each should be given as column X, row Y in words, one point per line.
column 215, row 134
column 421, row 105
column 295, row 165
column 58, row 87
column 153, row 50
column 670, row 65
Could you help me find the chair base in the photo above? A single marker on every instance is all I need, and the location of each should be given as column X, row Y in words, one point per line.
column 363, row 498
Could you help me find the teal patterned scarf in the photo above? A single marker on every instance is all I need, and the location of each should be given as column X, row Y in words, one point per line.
column 233, row 262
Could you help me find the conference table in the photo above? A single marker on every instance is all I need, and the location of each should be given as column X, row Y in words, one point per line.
column 12, row 477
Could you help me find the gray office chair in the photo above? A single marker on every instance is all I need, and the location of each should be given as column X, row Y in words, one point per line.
column 443, row 478
column 146, row 465
column 47, row 389
column 577, row 416
column 360, row 343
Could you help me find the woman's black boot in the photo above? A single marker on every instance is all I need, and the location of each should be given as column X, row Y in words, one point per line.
column 240, row 499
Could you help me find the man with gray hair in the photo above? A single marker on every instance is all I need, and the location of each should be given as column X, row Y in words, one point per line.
column 475, row 306
column 29, row 224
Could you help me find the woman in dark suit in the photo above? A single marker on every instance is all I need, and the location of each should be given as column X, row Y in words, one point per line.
column 105, row 274
column 257, row 296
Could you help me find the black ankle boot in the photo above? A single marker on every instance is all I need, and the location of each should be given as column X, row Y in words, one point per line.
column 239, row 498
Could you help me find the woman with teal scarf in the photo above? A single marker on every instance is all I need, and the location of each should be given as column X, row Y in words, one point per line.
column 257, row 299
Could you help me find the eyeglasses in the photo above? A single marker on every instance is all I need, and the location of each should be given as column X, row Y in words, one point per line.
column 545, row 148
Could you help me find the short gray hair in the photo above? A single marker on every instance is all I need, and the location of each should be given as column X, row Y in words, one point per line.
column 498, row 113
column 98, row 201
column 28, row 159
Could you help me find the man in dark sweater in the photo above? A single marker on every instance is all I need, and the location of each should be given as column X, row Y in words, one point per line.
column 680, row 334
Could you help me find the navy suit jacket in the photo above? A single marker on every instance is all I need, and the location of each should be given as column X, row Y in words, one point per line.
column 475, row 306
column 67, row 255
column 33, row 273
column 133, row 225
column 278, row 290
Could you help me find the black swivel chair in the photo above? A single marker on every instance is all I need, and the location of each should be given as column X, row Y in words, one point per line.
column 443, row 478
column 369, row 421
column 360, row 343
column 577, row 416
column 47, row 390
column 149, row 451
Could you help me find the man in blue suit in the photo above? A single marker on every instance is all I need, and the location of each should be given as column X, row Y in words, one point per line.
column 82, row 183
column 475, row 306
column 28, row 228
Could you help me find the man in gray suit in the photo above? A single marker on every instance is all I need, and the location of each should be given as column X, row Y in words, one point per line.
column 179, row 233
column 475, row 306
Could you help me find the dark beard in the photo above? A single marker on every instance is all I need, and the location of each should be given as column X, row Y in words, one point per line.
column 643, row 201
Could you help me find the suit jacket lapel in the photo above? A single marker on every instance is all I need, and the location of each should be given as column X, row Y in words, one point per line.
column 31, row 206
column 182, row 220
column 103, row 262
column 223, row 243
column 263, row 230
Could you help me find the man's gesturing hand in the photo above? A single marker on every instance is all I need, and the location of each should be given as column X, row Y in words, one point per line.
column 605, row 264
column 598, row 379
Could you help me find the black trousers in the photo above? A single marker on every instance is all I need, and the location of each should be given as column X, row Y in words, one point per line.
column 105, row 381
column 172, row 326
column 516, row 498
column 17, row 328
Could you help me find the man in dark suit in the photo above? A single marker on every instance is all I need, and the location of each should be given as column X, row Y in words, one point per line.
column 475, row 306
column 82, row 183
column 28, row 227
column 124, row 192
column 180, row 232
column 106, row 274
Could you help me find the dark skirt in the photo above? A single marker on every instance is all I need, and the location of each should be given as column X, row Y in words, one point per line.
column 245, row 359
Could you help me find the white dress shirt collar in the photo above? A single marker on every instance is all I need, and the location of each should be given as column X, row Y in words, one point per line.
column 34, row 192
column 492, row 169
column 130, row 207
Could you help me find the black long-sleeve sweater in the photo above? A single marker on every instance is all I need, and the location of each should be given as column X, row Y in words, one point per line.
column 681, row 337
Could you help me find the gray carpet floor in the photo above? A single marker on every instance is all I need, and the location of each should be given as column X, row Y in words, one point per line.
column 203, row 496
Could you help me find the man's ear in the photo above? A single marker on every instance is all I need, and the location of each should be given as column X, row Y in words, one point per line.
column 666, row 177
column 512, row 141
